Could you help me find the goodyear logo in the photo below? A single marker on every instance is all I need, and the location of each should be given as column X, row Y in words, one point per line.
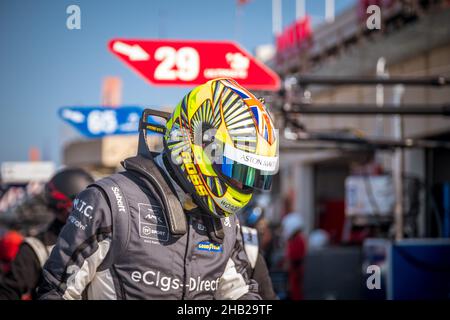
column 208, row 246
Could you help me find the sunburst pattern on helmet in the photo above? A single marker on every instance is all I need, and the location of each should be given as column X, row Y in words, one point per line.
column 178, row 139
column 238, row 120
column 207, row 117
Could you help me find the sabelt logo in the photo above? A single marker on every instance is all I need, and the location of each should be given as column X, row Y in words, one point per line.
column 119, row 199
column 165, row 283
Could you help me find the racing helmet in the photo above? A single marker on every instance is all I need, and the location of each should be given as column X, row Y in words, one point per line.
column 222, row 145
column 64, row 186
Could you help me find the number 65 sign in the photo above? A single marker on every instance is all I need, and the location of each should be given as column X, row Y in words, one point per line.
column 189, row 63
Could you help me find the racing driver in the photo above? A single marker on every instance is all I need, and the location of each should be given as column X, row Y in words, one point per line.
column 166, row 227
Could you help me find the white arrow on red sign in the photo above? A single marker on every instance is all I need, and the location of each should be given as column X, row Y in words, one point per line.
column 134, row 52
column 189, row 63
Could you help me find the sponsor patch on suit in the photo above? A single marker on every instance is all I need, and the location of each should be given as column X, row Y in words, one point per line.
column 152, row 223
column 209, row 246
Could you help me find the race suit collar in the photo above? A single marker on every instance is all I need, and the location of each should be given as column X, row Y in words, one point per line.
column 154, row 176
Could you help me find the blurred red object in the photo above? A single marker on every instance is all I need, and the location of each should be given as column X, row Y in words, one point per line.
column 332, row 219
column 242, row 2
column 34, row 154
column 296, row 35
column 9, row 246
column 295, row 254
column 112, row 92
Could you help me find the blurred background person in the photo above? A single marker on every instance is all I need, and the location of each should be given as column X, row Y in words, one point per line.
column 25, row 270
column 292, row 225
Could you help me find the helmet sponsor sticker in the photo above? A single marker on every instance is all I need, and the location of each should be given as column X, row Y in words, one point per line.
column 263, row 163
column 193, row 174
column 225, row 205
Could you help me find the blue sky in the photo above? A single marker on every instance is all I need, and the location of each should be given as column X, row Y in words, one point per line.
column 45, row 66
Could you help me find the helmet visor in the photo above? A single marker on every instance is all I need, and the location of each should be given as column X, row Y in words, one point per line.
column 250, row 169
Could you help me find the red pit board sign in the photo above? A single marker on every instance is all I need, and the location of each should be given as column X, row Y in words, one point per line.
column 190, row 63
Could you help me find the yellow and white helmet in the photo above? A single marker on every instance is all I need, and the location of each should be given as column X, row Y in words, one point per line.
column 222, row 145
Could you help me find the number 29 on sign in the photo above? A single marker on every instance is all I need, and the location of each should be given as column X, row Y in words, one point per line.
column 186, row 61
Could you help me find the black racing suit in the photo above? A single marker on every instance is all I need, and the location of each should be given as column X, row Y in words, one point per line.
column 26, row 269
column 117, row 244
